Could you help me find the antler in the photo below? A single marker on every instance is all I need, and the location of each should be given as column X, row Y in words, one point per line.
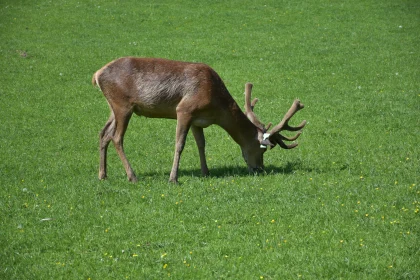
column 276, row 138
column 249, row 108
column 273, row 137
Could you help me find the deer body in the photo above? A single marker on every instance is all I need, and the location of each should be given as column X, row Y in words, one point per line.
column 192, row 93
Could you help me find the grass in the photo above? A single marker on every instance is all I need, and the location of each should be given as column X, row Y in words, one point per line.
column 343, row 205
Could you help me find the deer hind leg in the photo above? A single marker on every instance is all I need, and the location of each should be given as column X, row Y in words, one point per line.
column 114, row 131
column 182, row 127
column 122, row 119
column 201, row 143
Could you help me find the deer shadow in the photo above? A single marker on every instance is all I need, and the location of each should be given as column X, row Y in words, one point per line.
column 288, row 168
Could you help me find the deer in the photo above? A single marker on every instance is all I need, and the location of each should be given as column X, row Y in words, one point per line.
column 194, row 95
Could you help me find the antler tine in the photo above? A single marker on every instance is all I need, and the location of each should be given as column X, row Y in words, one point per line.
column 293, row 138
column 285, row 146
column 278, row 139
column 284, row 124
column 248, row 105
column 253, row 103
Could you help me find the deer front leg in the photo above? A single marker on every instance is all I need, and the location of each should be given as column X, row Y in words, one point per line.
column 104, row 138
column 182, row 127
column 201, row 143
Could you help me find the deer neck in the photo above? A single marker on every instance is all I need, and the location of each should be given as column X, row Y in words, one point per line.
column 239, row 127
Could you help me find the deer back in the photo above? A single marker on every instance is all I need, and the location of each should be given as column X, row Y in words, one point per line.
column 156, row 87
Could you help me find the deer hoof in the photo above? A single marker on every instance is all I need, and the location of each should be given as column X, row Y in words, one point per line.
column 133, row 179
column 173, row 180
column 102, row 176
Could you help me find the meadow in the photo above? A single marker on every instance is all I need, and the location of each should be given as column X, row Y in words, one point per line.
column 343, row 205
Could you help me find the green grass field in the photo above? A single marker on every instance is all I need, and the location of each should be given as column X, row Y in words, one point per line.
column 343, row 205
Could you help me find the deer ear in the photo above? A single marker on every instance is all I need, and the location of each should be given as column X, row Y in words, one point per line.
column 266, row 142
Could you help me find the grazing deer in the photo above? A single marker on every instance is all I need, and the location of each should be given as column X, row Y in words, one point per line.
column 191, row 93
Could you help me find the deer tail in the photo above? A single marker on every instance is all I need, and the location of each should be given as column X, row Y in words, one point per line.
column 94, row 79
